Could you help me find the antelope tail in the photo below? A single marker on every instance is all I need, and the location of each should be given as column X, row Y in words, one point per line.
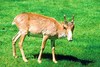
column 13, row 23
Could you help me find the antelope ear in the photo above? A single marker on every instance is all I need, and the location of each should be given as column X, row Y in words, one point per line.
column 72, row 19
column 65, row 21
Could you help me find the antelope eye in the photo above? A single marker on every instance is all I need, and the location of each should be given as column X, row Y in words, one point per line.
column 65, row 28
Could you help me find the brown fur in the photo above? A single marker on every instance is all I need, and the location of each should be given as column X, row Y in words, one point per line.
column 39, row 24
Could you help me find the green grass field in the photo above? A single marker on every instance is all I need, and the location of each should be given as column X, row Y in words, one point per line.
column 83, row 51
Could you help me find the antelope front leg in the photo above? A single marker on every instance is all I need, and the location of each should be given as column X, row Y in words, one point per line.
column 42, row 48
column 21, row 48
column 53, row 51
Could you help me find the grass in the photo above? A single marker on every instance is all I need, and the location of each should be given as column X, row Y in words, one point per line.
column 84, row 51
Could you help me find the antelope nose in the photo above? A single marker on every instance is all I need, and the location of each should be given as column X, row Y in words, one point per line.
column 70, row 40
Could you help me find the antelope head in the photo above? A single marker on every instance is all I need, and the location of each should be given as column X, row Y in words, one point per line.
column 69, row 28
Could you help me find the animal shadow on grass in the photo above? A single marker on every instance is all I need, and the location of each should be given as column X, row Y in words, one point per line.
column 63, row 57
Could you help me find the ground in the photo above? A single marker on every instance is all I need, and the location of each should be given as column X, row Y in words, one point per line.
column 83, row 51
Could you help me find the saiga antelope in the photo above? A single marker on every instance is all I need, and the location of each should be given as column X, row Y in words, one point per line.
column 39, row 24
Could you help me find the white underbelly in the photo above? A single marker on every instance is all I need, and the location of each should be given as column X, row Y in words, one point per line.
column 35, row 35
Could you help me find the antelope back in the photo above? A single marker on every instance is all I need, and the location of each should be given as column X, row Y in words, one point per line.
column 36, row 23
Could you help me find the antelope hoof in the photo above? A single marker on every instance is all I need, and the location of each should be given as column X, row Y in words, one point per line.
column 25, row 60
column 54, row 61
column 15, row 56
column 39, row 61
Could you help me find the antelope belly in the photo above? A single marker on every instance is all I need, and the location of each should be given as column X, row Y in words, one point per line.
column 35, row 35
